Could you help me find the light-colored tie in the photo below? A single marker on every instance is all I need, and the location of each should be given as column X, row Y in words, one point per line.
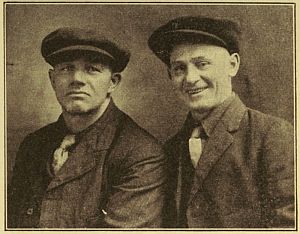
column 61, row 153
column 195, row 146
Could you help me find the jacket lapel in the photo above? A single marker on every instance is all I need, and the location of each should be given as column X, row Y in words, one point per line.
column 91, row 149
column 219, row 140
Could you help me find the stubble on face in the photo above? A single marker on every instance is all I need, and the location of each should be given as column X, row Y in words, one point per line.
column 75, row 109
column 200, row 75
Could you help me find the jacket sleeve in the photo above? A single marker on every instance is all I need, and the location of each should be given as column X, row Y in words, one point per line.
column 137, row 196
column 17, row 185
column 278, row 162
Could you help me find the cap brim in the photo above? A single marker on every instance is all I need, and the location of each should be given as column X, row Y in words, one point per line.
column 86, row 48
column 162, row 43
column 89, row 55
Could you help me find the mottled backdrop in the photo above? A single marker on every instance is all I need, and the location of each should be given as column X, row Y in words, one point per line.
column 264, row 82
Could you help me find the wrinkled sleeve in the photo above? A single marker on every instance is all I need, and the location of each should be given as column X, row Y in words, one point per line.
column 137, row 197
column 278, row 159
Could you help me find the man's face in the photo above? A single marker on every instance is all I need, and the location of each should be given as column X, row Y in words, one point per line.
column 202, row 74
column 82, row 86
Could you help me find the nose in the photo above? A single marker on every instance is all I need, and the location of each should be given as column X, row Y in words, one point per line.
column 192, row 74
column 78, row 77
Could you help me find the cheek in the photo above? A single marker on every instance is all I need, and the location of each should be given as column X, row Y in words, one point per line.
column 217, row 77
column 60, row 87
column 177, row 82
column 100, row 88
column 60, row 82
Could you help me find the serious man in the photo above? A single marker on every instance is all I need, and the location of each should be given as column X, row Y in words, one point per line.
column 234, row 165
column 93, row 167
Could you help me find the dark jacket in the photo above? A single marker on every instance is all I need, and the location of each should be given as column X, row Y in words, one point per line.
column 114, row 177
column 245, row 175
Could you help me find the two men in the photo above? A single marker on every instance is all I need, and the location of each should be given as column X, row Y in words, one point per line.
column 233, row 166
column 229, row 166
column 93, row 167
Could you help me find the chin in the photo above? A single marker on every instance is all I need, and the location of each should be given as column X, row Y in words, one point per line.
column 82, row 110
column 76, row 110
column 203, row 107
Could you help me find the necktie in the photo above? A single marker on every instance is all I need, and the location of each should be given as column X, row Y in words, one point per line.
column 61, row 153
column 195, row 146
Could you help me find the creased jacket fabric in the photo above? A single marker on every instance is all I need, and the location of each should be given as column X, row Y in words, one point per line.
column 245, row 175
column 114, row 177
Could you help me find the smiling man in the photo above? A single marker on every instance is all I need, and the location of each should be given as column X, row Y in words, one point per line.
column 232, row 166
column 94, row 167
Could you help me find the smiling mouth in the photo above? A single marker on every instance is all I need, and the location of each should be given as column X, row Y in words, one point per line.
column 195, row 91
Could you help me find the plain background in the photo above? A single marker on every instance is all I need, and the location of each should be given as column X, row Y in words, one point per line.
column 265, row 81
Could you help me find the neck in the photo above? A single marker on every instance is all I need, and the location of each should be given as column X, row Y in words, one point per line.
column 200, row 115
column 78, row 122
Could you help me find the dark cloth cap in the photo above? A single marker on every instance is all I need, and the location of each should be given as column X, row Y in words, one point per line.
column 65, row 43
column 224, row 33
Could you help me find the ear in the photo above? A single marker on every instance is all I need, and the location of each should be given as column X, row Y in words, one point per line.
column 114, row 82
column 234, row 64
column 51, row 77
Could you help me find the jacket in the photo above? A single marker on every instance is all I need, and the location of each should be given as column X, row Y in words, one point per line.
column 244, row 177
column 115, row 176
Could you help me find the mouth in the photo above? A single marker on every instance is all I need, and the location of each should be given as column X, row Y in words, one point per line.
column 77, row 93
column 195, row 90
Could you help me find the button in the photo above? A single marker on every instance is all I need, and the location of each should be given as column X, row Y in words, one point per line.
column 29, row 211
column 104, row 212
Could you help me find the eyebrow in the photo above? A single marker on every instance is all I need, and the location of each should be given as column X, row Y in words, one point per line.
column 94, row 63
column 194, row 59
column 199, row 58
column 62, row 64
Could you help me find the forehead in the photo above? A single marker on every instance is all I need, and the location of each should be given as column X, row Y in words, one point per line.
column 188, row 51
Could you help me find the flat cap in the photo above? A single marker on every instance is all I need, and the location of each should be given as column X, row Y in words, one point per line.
column 69, row 42
column 219, row 32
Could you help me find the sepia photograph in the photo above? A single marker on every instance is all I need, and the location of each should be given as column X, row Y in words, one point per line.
column 177, row 116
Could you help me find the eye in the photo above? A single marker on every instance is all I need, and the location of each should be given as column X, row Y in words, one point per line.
column 94, row 69
column 178, row 69
column 201, row 64
column 64, row 68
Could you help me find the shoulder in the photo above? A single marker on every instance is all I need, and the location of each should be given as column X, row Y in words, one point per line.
column 268, row 134
column 134, row 145
column 41, row 135
column 32, row 144
column 135, row 134
column 268, row 124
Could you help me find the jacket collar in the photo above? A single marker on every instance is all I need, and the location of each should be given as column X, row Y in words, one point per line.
column 229, row 113
column 91, row 148
column 233, row 115
column 211, row 121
